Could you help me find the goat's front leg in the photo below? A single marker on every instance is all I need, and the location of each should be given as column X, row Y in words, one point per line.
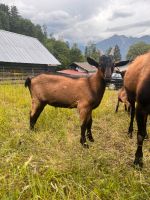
column 83, row 138
column 84, row 118
column 117, row 106
column 132, row 114
column 89, row 132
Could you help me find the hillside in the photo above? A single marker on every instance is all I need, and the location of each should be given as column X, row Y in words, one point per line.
column 122, row 41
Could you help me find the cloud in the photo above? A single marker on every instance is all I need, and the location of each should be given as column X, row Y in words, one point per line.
column 79, row 21
column 130, row 26
column 119, row 14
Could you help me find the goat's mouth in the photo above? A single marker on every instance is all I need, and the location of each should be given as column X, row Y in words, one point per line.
column 107, row 79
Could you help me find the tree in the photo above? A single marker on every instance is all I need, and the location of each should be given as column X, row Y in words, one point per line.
column 117, row 54
column 92, row 51
column 137, row 49
column 59, row 49
column 108, row 51
column 4, row 21
column 14, row 19
column 4, row 17
column 75, row 54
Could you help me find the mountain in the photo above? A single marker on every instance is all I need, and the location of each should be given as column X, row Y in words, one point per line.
column 122, row 41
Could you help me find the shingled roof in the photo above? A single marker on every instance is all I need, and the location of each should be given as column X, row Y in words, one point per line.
column 17, row 48
column 85, row 66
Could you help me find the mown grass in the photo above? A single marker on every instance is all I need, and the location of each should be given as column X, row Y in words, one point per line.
column 50, row 163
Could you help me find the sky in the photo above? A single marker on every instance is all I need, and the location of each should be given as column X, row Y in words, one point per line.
column 82, row 21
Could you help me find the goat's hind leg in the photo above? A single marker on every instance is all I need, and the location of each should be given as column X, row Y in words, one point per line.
column 141, row 123
column 36, row 110
column 145, row 122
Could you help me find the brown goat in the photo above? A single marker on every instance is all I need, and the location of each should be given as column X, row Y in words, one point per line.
column 122, row 97
column 137, row 84
column 84, row 93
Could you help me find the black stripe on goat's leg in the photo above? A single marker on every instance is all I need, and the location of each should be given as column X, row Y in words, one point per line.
column 141, row 123
column 89, row 132
column 117, row 106
column 83, row 138
column 85, row 116
column 35, row 112
column 132, row 114
column 145, row 122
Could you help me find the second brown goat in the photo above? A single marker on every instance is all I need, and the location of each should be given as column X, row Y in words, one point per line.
column 122, row 97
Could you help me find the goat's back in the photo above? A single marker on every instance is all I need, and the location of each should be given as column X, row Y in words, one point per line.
column 137, row 79
column 137, row 71
column 56, row 90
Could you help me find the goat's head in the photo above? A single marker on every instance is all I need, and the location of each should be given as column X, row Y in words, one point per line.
column 106, row 65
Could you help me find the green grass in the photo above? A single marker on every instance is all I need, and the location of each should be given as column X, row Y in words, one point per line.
column 50, row 163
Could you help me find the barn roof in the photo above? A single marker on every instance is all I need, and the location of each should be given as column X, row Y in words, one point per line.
column 17, row 48
column 85, row 66
column 121, row 68
column 72, row 72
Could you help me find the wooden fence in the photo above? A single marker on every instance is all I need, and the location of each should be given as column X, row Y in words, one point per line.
column 18, row 75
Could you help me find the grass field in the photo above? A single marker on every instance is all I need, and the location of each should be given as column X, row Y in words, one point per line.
column 50, row 163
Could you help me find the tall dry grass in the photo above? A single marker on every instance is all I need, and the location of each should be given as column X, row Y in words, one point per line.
column 50, row 163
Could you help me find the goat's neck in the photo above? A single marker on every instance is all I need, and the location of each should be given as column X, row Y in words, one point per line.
column 97, row 82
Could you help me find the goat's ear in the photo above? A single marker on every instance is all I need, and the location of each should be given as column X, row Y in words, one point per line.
column 92, row 62
column 122, row 63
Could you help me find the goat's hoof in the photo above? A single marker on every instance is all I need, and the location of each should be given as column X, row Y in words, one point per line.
column 86, row 146
column 90, row 138
column 146, row 137
column 31, row 128
column 138, row 161
column 130, row 135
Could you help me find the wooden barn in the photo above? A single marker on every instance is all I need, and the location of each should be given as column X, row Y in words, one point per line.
column 22, row 55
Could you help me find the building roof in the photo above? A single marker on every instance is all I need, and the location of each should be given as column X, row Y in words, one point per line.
column 72, row 72
column 17, row 48
column 121, row 68
column 85, row 66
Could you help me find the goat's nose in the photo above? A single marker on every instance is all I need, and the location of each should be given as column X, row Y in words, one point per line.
column 107, row 76
column 108, row 73
column 107, row 79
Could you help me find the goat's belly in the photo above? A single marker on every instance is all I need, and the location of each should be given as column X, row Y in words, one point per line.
column 63, row 105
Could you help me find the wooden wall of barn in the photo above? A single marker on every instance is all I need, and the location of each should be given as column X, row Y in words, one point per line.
column 11, row 72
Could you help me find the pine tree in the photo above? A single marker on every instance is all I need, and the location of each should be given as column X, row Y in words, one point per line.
column 117, row 54
column 92, row 51
column 108, row 51
column 75, row 54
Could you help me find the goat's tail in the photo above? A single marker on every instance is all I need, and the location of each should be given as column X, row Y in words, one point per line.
column 28, row 82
